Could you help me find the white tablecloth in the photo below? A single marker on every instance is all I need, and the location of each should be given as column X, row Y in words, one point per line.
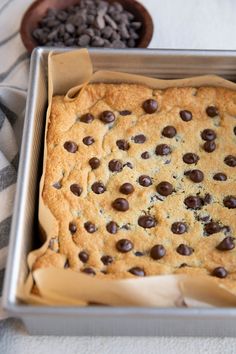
column 189, row 24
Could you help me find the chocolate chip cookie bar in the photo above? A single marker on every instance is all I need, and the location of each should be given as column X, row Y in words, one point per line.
column 143, row 182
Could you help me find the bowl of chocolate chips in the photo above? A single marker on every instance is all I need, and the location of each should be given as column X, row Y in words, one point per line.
column 86, row 23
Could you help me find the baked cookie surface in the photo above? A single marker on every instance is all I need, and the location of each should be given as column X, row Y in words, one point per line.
column 143, row 182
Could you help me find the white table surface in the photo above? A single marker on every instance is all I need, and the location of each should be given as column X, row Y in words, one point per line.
column 189, row 24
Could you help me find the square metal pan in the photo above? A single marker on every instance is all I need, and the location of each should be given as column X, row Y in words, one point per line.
column 100, row 320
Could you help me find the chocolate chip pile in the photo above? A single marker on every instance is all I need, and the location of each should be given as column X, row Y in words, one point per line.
column 143, row 181
column 90, row 23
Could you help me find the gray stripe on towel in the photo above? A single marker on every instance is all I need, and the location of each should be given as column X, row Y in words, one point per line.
column 5, row 226
column 7, row 177
column 21, row 58
column 12, row 116
column 2, row 271
column 5, row 40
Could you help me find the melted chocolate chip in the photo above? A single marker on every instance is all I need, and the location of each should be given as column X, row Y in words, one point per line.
column 146, row 221
column 83, row 256
column 145, row 181
column 72, row 227
column 162, row 150
column 124, row 245
column 230, row 160
column 137, row 271
column 209, row 146
column 120, row 204
column 196, row 176
column 88, row 140
column 220, row 176
column 115, row 166
column 76, row 189
column 169, row 131
column 129, row 164
column 220, row 272
column 207, row 199
column 126, row 188
column 193, row 202
column 107, row 117
column 90, row 227
column 208, row 135
column 57, row 185
column 145, row 155
column 184, row 250
column 123, row 144
column 190, row 158
column 150, row 106
column 89, row 271
column 183, row 265
column 235, row 130
column 186, row 116
column 67, row 264
column 157, row 252
column 178, row 228
column 230, row 202
column 139, row 139
column 106, row 260
column 98, row 187
column 125, row 113
column 70, row 146
column 212, row 111
column 212, row 228
column 94, row 163
column 87, row 118
column 139, row 254
column 226, row 244
column 112, row 227
column 164, row 188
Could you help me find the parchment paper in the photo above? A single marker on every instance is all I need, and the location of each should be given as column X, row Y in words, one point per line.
column 68, row 73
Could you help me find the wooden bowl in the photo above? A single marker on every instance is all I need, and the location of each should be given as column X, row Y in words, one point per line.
column 39, row 9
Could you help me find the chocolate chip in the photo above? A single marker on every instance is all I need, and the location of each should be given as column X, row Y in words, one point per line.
column 157, row 252
column 123, row 144
column 209, row 146
column 89, row 271
column 126, row 188
column 162, row 150
column 183, row 265
column 226, row 244
column 178, row 228
column 230, row 202
column 94, row 163
column 90, row 227
column 120, row 204
column 129, row 164
column 196, row 176
column 112, row 227
column 139, row 254
column 235, row 130
column 146, row 221
column 208, row 135
column 230, row 160
column 145, row 155
column 212, row 111
column 193, row 202
column 125, row 113
column 83, row 256
column 150, row 106
column 220, row 176
column 169, row 131
column 145, row 181
column 72, row 227
column 184, row 250
column 164, row 188
column 115, row 166
column 107, row 117
column 207, row 199
column 98, row 187
column 88, row 140
column 139, row 139
column 57, row 185
column 67, row 264
column 220, row 272
column 106, row 260
column 190, row 158
column 76, row 189
column 212, row 228
column 137, row 271
column 185, row 115
column 87, row 118
column 70, row 146
column 124, row 245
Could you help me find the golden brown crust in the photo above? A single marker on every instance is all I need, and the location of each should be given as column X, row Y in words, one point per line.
column 69, row 168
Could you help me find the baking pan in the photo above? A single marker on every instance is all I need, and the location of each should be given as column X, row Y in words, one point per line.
column 101, row 320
